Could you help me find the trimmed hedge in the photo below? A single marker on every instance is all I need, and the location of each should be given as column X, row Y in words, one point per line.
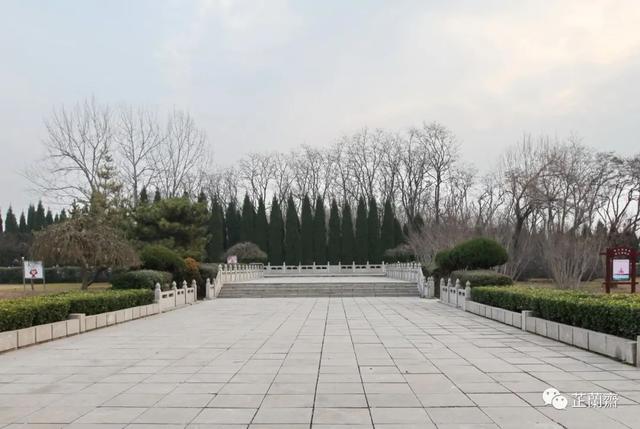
column 13, row 275
column 482, row 278
column 140, row 279
column 38, row 310
column 616, row 314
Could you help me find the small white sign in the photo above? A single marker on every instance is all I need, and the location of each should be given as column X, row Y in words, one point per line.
column 33, row 270
column 233, row 259
column 621, row 270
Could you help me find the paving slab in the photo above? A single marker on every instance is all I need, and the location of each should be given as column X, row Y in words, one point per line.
column 383, row 362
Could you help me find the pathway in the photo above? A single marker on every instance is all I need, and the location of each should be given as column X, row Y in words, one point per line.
column 326, row 362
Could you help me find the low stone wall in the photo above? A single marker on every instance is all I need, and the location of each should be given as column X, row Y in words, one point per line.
column 79, row 323
column 76, row 324
column 619, row 348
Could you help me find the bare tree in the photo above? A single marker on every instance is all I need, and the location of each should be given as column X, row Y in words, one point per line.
column 182, row 158
column 79, row 152
column 257, row 171
column 139, row 136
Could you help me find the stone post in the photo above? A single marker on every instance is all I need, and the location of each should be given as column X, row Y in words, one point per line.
column 184, row 284
column 442, row 286
column 207, row 289
column 638, row 351
column 157, row 292
column 524, row 315
column 467, row 294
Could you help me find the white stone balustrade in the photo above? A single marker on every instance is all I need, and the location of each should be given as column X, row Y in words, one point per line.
column 175, row 297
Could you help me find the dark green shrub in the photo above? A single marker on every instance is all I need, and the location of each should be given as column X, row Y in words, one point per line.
column 38, row 310
column 481, row 278
column 161, row 258
column 209, row 270
column 445, row 262
column 247, row 253
column 140, row 279
column 474, row 254
column 611, row 314
column 478, row 253
column 400, row 253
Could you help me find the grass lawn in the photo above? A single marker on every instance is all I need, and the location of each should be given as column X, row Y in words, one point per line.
column 594, row 286
column 16, row 291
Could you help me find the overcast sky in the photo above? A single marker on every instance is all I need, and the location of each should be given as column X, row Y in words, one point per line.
column 274, row 74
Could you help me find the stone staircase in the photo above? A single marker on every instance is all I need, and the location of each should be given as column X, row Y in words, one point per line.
column 286, row 288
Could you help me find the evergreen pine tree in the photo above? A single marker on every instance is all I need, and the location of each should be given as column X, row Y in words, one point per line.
column 63, row 216
column 387, row 238
column 1, row 226
column 398, row 235
column 157, row 197
column 333, row 247
column 232, row 219
column 292, row 234
column 215, row 243
column 48, row 219
column 306, row 231
column 276, row 234
column 11, row 224
column 202, row 197
column 362, row 236
column 22, row 226
column 348, row 241
column 373, row 232
column 144, row 196
column 31, row 218
column 247, row 228
column 41, row 217
column 320, row 233
column 261, row 232
column 56, row 218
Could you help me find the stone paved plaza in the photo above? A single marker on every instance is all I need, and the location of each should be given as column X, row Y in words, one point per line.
column 309, row 362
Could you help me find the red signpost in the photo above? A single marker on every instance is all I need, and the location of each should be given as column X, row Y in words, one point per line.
column 620, row 268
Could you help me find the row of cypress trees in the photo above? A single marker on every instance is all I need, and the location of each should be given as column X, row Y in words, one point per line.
column 36, row 219
column 309, row 237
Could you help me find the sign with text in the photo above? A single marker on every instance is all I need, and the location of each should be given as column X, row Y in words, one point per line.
column 621, row 272
column 233, row 259
column 33, row 270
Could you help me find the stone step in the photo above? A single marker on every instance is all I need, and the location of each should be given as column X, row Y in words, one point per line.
column 257, row 290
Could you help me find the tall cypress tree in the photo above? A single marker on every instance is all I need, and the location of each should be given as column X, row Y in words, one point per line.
column 373, row 232
column 261, row 227
column 48, row 220
column 157, row 196
column 320, row 233
column 144, row 196
column 292, row 234
column 276, row 234
column 398, row 235
column 333, row 247
column 306, row 231
column 202, row 197
column 41, row 216
column 215, row 227
column 362, row 236
column 11, row 224
column 387, row 239
column 348, row 241
column 247, row 228
column 22, row 226
column 32, row 223
column 63, row 216
column 232, row 218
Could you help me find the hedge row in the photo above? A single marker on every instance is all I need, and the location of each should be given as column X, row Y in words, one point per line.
column 38, row 310
column 481, row 278
column 140, row 279
column 615, row 314
column 13, row 275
